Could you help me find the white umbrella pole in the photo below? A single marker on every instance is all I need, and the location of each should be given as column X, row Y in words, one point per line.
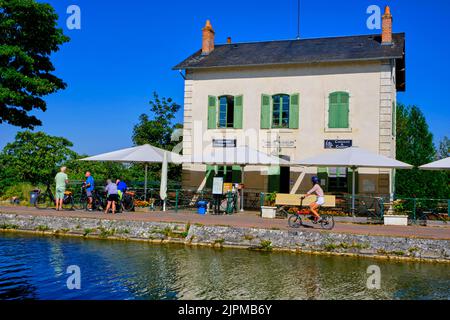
column 145, row 184
column 353, row 189
column 242, row 189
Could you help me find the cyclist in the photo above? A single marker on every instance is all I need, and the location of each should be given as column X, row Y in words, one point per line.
column 61, row 180
column 318, row 191
column 113, row 196
column 121, row 188
column 89, row 184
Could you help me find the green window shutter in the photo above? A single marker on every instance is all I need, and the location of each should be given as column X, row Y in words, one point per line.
column 212, row 112
column 237, row 174
column 265, row 111
column 394, row 120
column 294, row 111
column 238, row 112
column 338, row 112
column 274, row 179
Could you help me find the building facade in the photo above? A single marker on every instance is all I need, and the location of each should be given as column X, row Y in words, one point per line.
column 294, row 99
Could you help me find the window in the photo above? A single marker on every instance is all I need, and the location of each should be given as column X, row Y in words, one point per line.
column 338, row 112
column 225, row 112
column 280, row 111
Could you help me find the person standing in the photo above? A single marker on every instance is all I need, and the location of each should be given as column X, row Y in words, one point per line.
column 61, row 180
column 112, row 196
column 90, row 186
column 121, row 187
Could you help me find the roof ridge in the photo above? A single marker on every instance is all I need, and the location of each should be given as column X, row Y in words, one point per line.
column 307, row 39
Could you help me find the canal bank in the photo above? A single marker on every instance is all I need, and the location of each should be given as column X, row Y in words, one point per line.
column 197, row 234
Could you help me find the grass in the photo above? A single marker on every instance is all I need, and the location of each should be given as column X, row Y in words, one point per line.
column 249, row 237
column 345, row 246
column 265, row 245
column 105, row 233
column 42, row 228
column 7, row 226
column 87, row 231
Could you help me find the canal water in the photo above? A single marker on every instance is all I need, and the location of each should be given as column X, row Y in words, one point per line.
column 34, row 267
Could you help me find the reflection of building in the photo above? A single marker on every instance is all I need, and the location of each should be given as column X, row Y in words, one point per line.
column 295, row 99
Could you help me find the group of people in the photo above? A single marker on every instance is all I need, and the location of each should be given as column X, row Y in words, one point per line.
column 114, row 191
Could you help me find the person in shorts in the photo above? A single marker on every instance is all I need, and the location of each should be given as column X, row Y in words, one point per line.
column 112, row 196
column 61, row 180
column 89, row 184
column 318, row 191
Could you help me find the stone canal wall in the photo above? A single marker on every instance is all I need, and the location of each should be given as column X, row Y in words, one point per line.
column 301, row 241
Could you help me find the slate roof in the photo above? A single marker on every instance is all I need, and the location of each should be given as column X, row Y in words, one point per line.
column 285, row 52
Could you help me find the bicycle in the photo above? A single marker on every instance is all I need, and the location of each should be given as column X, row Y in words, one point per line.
column 47, row 199
column 126, row 204
column 296, row 220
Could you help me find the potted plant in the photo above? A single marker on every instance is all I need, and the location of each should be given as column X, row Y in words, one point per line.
column 269, row 210
column 398, row 215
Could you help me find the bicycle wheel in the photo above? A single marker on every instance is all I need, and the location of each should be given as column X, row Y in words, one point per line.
column 327, row 222
column 295, row 221
column 43, row 201
column 68, row 203
column 128, row 203
column 81, row 203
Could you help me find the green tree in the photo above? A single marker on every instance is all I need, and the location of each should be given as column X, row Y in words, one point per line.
column 415, row 146
column 28, row 36
column 444, row 148
column 35, row 157
column 157, row 129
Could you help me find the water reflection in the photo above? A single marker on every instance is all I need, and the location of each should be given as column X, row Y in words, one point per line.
column 34, row 268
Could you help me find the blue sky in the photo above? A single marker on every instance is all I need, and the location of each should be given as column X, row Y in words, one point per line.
column 125, row 51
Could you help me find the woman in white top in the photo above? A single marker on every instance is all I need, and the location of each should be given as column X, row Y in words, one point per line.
column 318, row 191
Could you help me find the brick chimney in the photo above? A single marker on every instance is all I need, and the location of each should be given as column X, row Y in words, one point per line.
column 386, row 36
column 208, row 38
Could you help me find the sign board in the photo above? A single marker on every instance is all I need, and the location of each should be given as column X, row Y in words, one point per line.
column 217, row 186
column 338, row 144
column 224, row 143
column 279, row 144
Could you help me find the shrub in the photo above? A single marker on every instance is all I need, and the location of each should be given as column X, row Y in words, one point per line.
column 20, row 190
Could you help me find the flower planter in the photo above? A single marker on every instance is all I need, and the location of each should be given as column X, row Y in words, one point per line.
column 269, row 212
column 395, row 220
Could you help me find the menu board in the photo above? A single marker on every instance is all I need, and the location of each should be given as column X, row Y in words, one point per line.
column 217, row 186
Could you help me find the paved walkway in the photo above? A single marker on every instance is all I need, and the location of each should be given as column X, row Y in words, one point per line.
column 246, row 219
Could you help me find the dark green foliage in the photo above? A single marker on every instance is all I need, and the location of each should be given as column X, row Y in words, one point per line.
column 159, row 130
column 415, row 146
column 28, row 36
column 34, row 157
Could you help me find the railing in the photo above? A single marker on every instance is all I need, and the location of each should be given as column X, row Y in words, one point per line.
column 420, row 210
column 371, row 207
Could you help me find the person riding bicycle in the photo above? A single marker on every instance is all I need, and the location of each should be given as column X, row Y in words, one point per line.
column 89, row 184
column 318, row 191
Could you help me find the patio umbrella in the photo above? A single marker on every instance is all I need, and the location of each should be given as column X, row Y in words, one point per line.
column 145, row 154
column 353, row 158
column 239, row 156
column 163, row 187
column 443, row 164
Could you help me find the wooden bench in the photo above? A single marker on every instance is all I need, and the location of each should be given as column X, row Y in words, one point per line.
column 294, row 200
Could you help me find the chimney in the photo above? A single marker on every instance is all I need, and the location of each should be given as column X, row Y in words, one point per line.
column 386, row 36
column 229, row 40
column 208, row 38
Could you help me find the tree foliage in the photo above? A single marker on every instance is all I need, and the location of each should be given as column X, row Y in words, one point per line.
column 444, row 148
column 28, row 36
column 415, row 146
column 158, row 128
column 35, row 157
